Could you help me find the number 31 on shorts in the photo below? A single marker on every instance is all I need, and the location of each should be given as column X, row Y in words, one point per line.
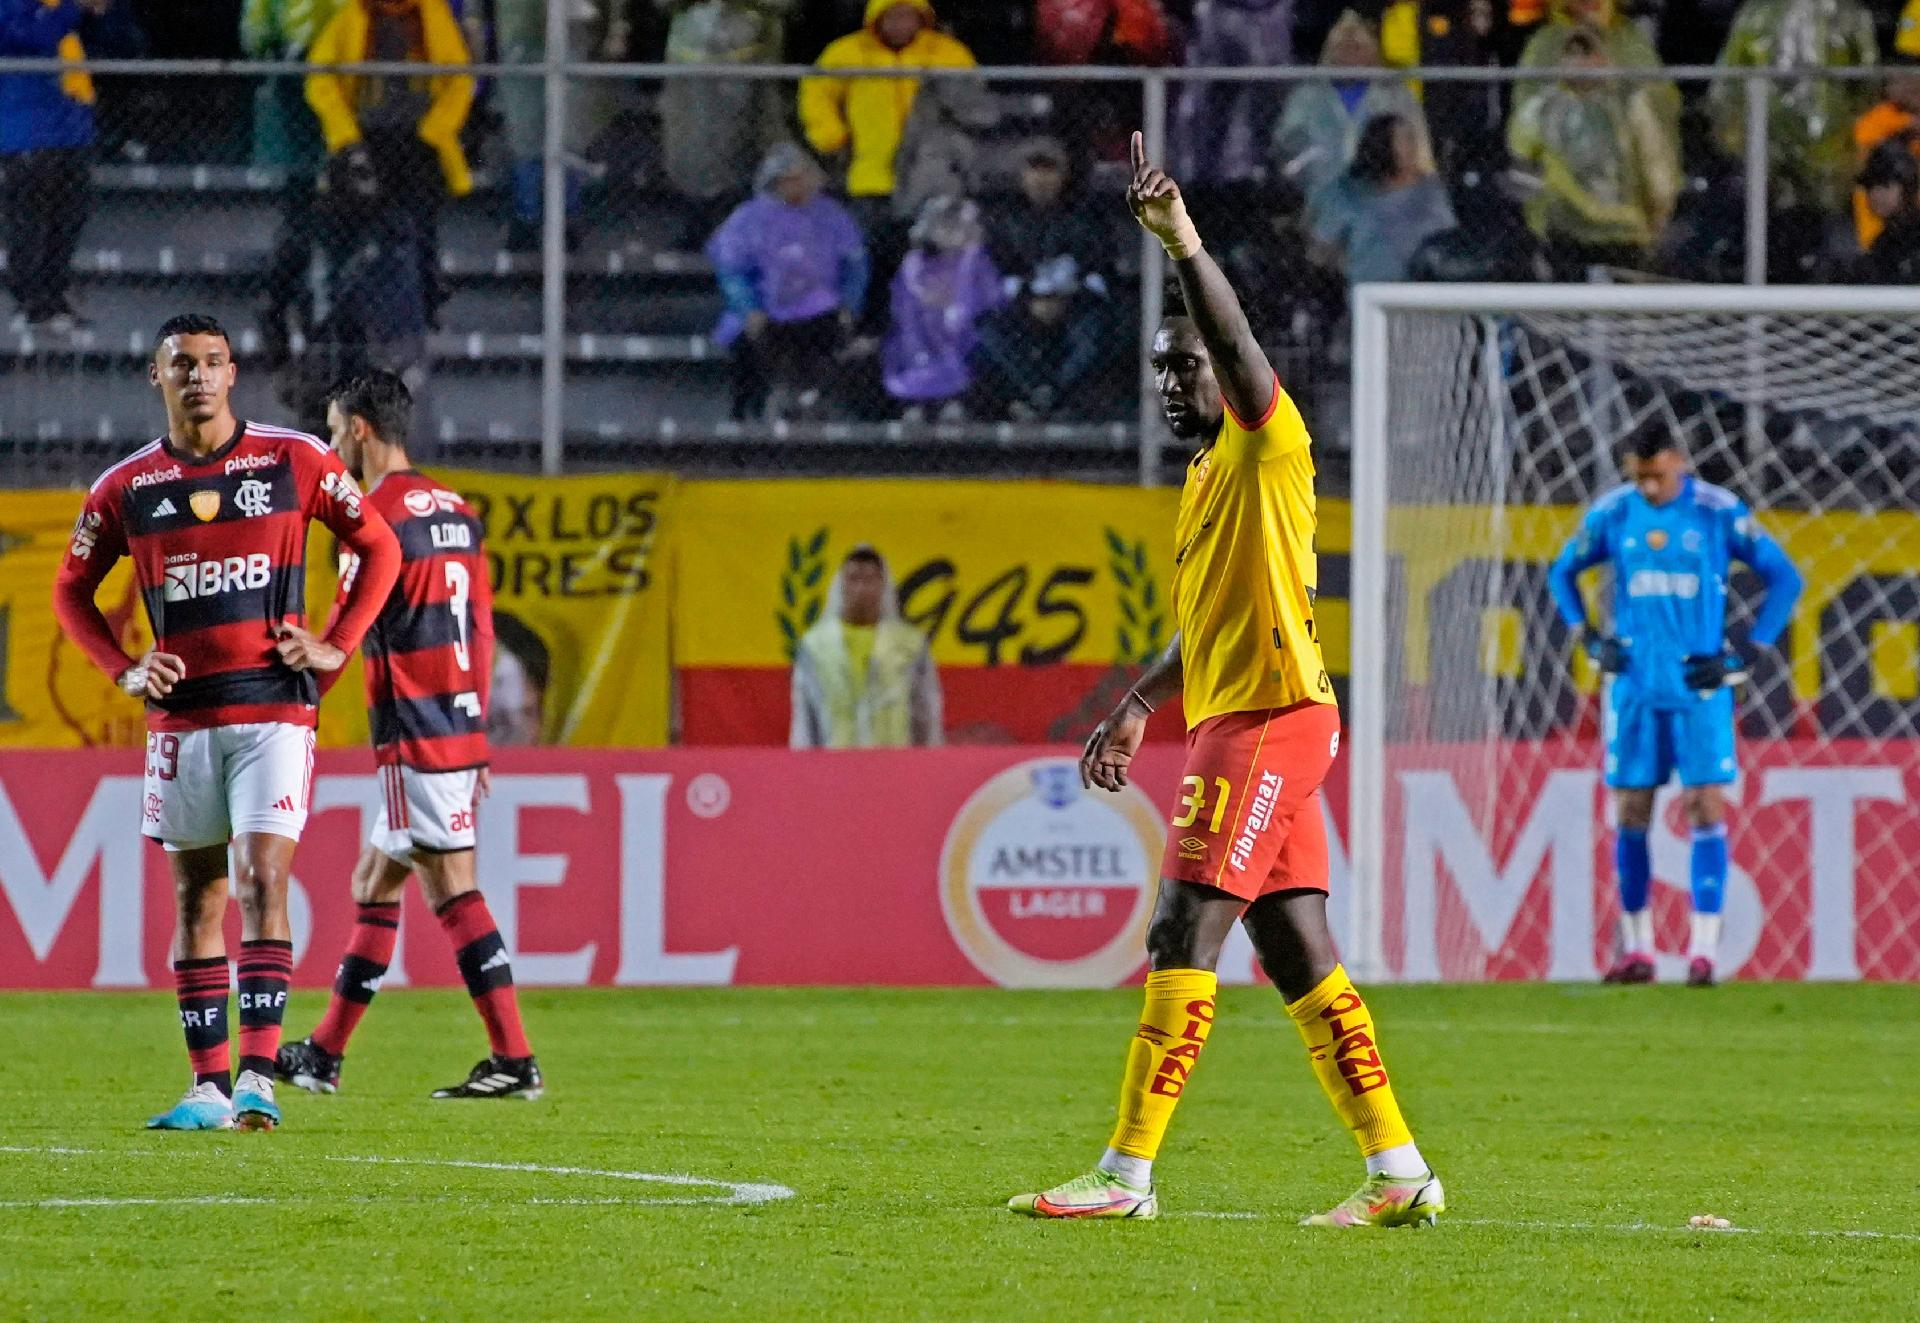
column 1193, row 801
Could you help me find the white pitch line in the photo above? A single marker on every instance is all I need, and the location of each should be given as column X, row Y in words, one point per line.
column 135, row 1202
column 738, row 1193
column 744, row 1192
column 1838, row 1233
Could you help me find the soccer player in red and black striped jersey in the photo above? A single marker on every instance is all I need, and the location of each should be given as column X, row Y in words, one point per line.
column 429, row 657
column 214, row 516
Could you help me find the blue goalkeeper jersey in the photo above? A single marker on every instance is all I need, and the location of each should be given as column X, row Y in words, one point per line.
column 1670, row 565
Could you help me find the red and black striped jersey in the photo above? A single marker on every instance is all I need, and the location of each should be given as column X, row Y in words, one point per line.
column 429, row 653
column 218, row 545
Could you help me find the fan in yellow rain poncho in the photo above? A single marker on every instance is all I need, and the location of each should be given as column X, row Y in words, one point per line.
column 865, row 117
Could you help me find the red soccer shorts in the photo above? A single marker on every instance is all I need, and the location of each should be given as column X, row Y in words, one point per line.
column 1247, row 819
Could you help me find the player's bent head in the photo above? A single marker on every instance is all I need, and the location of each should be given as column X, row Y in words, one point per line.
column 193, row 365
column 1655, row 461
column 1183, row 372
column 375, row 406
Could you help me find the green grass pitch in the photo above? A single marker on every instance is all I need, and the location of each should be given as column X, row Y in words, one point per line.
column 1577, row 1128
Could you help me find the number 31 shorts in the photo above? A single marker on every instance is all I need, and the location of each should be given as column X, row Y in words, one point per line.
column 1247, row 818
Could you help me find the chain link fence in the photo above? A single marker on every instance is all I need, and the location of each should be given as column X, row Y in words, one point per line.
column 599, row 265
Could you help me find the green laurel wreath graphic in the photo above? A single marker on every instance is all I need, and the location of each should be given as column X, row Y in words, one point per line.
column 801, row 594
column 1142, row 632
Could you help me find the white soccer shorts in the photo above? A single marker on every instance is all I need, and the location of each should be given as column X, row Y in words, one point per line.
column 434, row 811
column 204, row 787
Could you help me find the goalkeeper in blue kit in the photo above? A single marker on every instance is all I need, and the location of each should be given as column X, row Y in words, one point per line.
column 1670, row 671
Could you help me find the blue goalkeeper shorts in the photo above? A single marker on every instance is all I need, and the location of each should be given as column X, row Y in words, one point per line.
column 1646, row 745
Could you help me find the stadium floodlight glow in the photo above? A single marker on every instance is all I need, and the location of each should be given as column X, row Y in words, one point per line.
column 1484, row 418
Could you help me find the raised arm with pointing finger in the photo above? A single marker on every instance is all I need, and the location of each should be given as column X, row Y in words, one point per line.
column 1247, row 380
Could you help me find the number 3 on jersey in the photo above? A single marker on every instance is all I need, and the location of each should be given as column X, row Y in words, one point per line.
column 461, row 587
column 1193, row 801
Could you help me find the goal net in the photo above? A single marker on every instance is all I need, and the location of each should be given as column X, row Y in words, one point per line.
column 1485, row 419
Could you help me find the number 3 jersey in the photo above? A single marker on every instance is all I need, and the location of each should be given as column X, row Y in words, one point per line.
column 219, row 550
column 429, row 653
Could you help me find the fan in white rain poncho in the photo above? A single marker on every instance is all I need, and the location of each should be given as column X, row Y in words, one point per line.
column 863, row 678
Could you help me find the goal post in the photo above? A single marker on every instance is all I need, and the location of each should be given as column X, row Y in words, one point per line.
column 1485, row 418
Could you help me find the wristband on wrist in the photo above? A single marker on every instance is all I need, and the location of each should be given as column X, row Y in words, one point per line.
column 1185, row 240
column 1134, row 694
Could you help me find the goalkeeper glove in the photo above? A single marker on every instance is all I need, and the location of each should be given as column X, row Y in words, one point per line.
column 1714, row 670
column 1605, row 651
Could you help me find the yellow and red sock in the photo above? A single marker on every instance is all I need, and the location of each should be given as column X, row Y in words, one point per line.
column 482, row 957
column 266, row 975
column 201, row 988
column 1341, row 1040
column 1174, row 1024
column 376, row 928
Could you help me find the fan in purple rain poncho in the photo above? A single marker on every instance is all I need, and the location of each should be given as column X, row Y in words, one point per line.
column 794, row 269
column 944, row 285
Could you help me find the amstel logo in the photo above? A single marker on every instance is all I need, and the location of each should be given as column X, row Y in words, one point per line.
column 1045, row 884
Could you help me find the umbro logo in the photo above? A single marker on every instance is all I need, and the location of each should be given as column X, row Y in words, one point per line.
column 164, row 509
column 495, row 961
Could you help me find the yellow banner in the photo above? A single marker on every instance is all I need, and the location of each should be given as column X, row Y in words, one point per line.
column 580, row 618
column 590, row 571
column 996, row 573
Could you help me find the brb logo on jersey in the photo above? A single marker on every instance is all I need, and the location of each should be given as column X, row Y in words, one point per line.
column 1044, row 884
column 210, row 578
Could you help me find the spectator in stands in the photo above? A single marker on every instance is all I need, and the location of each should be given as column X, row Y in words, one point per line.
column 1607, row 168
column 1621, row 41
column 1101, row 32
column 1261, row 242
column 1891, row 181
column 1462, row 117
column 46, row 142
column 1314, row 140
column 284, row 129
column 1809, row 118
column 1219, row 128
column 1492, row 242
column 1051, row 353
column 373, row 258
column 1130, row 32
column 1051, row 216
column 714, row 131
column 1897, row 116
column 1370, row 219
column 863, row 678
column 939, row 147
column 407, row 129
column 594, row 32
column 864, row 118
column 794, row 270
column 944, row 285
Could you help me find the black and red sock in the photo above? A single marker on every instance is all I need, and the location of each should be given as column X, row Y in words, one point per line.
column 200, row 986
column 376, row 928
column 266, row 975
column 482, row 957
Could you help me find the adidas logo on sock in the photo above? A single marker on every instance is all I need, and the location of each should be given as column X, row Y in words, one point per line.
column 495, row 961
column 164, row 508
